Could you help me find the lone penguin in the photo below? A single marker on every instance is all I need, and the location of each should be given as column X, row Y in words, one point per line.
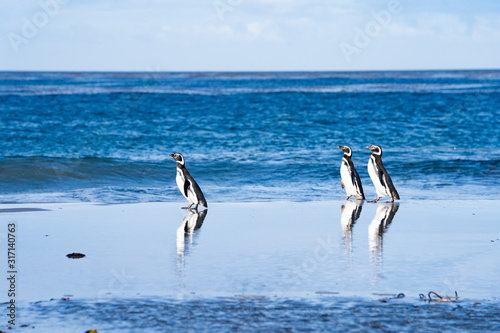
column 380, row 178
column 349, row 176
column 187, row 185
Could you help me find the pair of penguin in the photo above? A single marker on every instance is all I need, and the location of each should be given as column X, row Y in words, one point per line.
column 350, row 178
column 379, row 176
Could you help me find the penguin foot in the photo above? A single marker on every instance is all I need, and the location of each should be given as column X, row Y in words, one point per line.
column 378, row 198
column 191, row 209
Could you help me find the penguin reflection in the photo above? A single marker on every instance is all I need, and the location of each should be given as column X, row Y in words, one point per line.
column 186, row 231
column 350, row 213
column 383, row 218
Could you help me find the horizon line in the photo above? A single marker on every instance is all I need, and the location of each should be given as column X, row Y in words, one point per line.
column 249, row 71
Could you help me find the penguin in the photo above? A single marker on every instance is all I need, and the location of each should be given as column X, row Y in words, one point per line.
column 349, row 176
column 185, row 235
column 383, row 218
column 187, row 185
column 380, row 178
column 350, row 213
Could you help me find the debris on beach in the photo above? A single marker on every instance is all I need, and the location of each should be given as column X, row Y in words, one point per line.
column 434, row 297
column 394, row 296
column 75, row 255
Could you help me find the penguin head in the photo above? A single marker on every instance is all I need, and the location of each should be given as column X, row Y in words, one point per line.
column 346, row 149
column 178, row 157
column 376, row 150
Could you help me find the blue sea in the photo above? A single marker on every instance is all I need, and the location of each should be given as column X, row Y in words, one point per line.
column 105, row 137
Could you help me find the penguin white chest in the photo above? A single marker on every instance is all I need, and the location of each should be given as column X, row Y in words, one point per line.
column 181, row 183
column 180, row 180
column 377, row 178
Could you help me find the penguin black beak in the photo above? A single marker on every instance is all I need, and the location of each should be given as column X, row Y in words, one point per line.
column 339, row 147
column 368, row 147
column 171, row 155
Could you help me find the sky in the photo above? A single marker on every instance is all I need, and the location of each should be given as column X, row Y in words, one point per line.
column 245, row 35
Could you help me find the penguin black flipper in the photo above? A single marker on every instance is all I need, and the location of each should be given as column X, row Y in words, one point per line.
column 353, row 174
column 381, row 175
column 187, row 183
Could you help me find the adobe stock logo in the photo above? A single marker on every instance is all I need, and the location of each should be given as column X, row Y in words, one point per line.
column 31, row 26
column 223, row 6
column 372, row 29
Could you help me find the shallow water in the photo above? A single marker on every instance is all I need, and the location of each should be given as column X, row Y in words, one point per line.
column 105, row 137
column 258, row 266
column 284, row 249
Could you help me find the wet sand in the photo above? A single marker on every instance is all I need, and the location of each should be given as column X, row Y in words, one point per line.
column 254, row 251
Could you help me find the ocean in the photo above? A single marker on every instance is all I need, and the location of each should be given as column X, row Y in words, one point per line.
column 105, row 137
